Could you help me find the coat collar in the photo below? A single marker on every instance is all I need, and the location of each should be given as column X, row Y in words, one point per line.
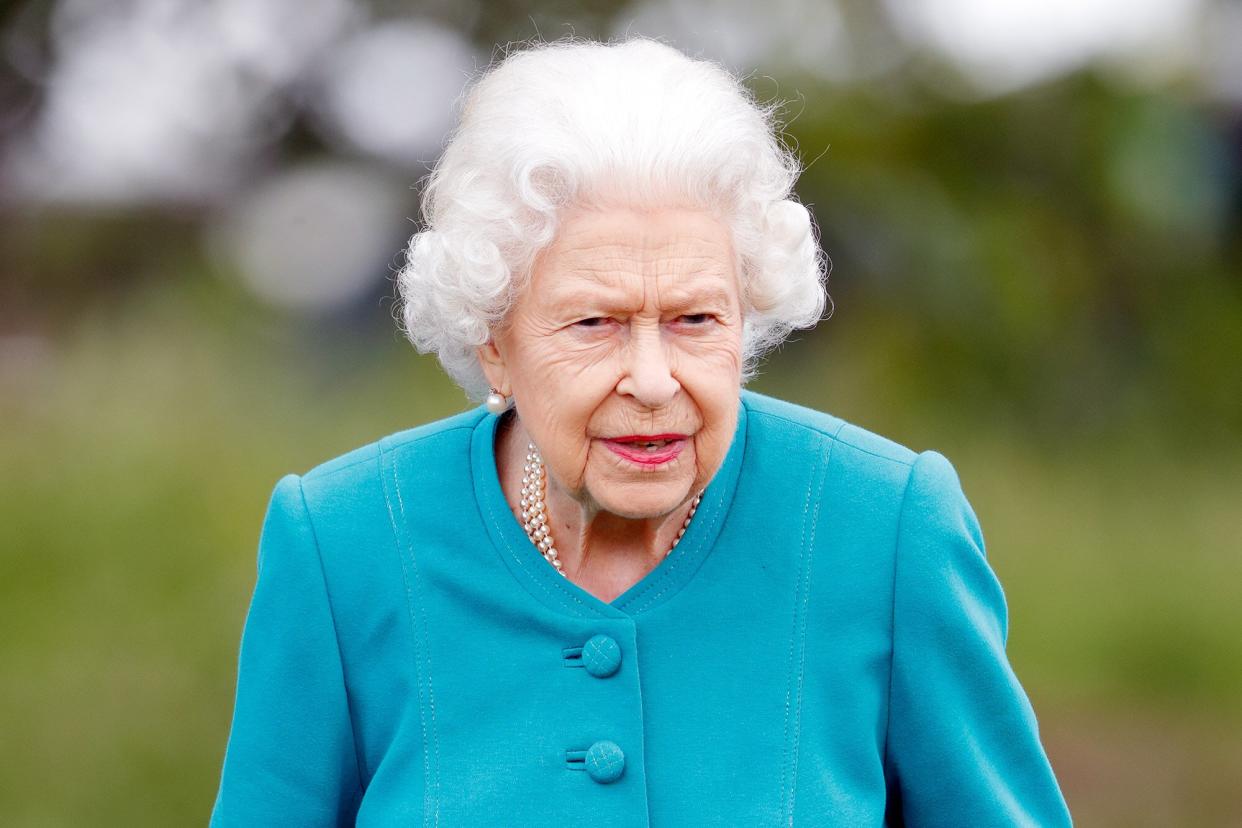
column 541, row 579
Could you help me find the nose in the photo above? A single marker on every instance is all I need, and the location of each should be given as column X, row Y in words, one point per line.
column 648, row 377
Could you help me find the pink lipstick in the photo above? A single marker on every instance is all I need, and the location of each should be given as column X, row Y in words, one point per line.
column 647, row 449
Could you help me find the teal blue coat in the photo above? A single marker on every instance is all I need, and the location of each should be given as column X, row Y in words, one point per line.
column 825, row 647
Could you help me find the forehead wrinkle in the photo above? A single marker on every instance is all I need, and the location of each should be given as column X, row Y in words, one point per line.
column 702, row 279
column 638, row 243
column 674, row 264
column 690, row 256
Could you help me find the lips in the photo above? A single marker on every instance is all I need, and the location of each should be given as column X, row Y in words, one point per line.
column 649, row 439
column 647, row 449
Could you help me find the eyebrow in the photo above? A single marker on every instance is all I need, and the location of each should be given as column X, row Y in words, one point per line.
column 713, row 295
column 596, row 264
column 579, row 296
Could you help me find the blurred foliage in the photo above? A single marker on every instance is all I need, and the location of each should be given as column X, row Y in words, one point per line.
column 1068, row 258
column 1045, row 286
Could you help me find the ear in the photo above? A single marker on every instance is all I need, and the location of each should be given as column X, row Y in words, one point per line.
column 494, row 368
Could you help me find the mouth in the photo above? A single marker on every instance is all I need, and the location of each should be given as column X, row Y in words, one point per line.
column 648, row 449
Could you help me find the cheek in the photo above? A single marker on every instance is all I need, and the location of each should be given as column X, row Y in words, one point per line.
column 557, row 363
column 712, row 377
column 712, row 369
column 559, row 390
column 569, row 386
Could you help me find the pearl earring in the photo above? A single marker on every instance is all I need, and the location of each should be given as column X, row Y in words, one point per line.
column 496, row 402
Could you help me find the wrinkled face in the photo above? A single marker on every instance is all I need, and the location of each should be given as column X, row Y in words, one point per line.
column 623, row 356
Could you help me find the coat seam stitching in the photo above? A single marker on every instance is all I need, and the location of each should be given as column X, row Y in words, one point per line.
column 431, row 773
column 836, row 436
column 563, row 593
column 336, row 636
column 497, row 535
column 801, row 602
column 806, row 600
column 315, row 473
column 892, row 653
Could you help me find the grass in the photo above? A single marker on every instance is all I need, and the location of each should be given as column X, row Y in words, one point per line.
column 139, row 450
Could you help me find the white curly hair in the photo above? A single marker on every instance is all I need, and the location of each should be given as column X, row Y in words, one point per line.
column 578, row 122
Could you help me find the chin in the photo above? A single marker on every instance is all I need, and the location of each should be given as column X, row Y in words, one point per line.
column 644, row 499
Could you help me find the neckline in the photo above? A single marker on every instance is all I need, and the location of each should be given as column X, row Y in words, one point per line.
column 540, row 578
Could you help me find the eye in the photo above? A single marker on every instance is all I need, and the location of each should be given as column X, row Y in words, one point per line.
column 591, row 322
column 696, row 318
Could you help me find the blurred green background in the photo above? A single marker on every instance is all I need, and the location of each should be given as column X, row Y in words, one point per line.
column 1034, row 212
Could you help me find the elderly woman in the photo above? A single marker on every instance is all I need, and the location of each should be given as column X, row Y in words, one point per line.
column 624, row 591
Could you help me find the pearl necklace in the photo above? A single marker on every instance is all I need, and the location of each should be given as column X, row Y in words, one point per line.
column 535, row 512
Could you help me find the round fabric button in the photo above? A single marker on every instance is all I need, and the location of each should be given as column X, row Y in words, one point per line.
column 605, row 762
column 601, row 656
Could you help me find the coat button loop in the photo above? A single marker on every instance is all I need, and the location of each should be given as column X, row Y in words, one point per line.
column 601, row 656
column 605, row 762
